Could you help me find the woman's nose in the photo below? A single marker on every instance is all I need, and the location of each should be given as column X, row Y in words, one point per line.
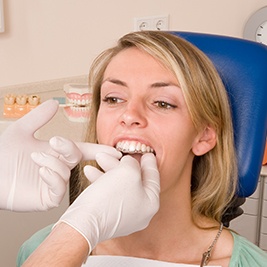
column 133, row 115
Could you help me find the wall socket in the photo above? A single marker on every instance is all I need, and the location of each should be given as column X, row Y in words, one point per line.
column 156, row 23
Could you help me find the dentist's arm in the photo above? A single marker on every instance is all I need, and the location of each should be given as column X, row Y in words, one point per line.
column 64, row 247
column 106, row 209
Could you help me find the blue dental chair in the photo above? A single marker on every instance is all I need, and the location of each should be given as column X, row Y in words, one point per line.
column 242, row 66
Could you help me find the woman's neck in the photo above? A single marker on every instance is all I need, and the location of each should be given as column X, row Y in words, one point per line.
column 172, row 235
column 171, row 230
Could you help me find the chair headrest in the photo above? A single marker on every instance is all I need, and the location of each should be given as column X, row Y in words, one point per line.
column 242, row 65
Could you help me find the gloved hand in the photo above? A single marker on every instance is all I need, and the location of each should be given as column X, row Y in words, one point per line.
column 65, row 154
column 119, row 202
column 21, row 187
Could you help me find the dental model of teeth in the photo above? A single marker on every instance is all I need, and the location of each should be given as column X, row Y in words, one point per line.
column 15, row 106
column 133, row 147
column 79, row 102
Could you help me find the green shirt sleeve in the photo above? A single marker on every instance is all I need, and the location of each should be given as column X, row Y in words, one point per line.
column 246, row 254
column 31, row 244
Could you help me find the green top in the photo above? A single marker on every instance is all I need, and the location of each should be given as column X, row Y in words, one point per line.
column 245, row 253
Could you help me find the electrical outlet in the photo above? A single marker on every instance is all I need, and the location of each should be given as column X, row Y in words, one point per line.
column 156, row 23
column 142, row 24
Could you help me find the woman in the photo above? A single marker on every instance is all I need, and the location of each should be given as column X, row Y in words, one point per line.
column 156, row 93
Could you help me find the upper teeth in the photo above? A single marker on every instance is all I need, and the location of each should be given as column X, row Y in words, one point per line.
column 132, row 147
column 79, row 102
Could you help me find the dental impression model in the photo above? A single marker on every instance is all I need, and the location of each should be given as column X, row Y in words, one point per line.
column 79, row 102
column 15, row 106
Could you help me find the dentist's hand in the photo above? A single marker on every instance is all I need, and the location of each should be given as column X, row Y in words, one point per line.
column 55, row 167
column 119, row 202
column 20, row 186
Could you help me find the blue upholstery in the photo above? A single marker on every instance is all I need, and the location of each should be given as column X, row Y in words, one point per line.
column 242, row 65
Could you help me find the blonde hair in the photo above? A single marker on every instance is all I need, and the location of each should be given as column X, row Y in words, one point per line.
column 214, row 174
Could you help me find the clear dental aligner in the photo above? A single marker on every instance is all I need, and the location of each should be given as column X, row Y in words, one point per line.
column 133, row 147
column 15, row 106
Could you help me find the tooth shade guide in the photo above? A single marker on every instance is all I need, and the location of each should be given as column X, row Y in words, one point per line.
column 16, row 106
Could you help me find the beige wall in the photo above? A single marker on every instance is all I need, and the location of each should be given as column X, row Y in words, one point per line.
column 51, row 39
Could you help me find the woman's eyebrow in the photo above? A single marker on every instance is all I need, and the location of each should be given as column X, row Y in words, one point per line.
column 163, row 84
column 115, row 81
column 153, row 85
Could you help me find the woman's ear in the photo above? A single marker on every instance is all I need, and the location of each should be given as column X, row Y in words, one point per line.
column 205, row 141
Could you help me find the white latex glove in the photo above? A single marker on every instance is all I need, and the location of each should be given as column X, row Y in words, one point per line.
column 55, row 167
column 119, row 202
column 21, row 186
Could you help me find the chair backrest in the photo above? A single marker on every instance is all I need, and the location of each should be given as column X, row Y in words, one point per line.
column 242, row 65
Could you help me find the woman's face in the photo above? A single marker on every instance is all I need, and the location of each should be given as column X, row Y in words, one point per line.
column 143, row 109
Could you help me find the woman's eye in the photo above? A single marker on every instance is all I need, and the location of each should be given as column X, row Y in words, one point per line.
column 164, row 105
column 112, row 100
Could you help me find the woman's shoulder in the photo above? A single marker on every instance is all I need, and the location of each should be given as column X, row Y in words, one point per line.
column 32, row 243
column 246, row 254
